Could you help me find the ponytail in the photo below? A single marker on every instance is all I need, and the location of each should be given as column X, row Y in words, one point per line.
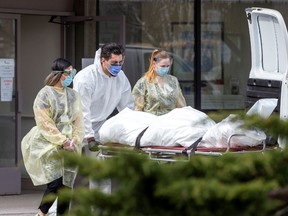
column 155, row 56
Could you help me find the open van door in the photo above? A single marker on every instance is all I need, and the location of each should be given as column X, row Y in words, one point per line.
column 269, row 53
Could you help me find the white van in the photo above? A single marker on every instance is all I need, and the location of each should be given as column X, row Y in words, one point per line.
column 269, row 48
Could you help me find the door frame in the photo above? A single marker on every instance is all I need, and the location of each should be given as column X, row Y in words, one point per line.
column 11, row 176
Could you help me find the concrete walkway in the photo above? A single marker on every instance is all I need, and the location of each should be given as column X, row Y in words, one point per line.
column 24, row 204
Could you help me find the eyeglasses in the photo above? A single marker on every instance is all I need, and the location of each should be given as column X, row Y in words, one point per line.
column 71, row 71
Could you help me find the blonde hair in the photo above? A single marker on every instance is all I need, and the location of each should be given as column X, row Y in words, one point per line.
column 156, row 56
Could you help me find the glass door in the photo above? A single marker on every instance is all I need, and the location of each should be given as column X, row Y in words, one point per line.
column 9, row 109
column 8, row 91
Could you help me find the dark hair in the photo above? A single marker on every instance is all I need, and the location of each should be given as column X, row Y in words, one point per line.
column 111, row 48
column 60, row 64
column 58, row 67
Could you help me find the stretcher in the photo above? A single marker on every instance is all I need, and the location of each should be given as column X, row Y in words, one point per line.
column 180, row 153
column 267, row 79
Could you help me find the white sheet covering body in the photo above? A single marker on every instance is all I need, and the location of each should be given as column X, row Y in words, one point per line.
column 124, row 127
column 218, row 135
column 181, row 126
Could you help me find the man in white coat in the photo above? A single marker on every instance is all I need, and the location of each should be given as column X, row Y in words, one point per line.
column 103, row 86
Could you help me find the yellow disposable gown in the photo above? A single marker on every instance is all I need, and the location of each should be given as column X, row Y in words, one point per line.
column 159, row 96
column 58, row 116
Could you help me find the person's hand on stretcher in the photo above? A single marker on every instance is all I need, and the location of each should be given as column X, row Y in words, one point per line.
column 93, row 145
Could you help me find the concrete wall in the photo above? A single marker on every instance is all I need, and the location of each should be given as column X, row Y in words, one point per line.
column 50, row 5
column 40, row 45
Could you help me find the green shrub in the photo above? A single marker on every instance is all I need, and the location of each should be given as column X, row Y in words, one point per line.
column 232, row 184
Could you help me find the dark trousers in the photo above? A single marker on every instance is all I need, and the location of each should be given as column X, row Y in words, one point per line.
column 53, row 188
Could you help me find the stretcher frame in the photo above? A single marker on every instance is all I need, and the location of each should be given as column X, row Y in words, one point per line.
column 180, row 153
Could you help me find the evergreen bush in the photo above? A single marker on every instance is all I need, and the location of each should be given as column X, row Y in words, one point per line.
column 232, row 184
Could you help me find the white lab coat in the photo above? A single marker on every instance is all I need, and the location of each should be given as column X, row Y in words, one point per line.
column 100, row 95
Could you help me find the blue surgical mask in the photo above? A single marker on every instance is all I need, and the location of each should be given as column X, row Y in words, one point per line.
column 114, row 69
column 67, row 81
column 162, row 71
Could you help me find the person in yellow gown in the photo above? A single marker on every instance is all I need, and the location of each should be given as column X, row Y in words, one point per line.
column 158, row 92
column 59, row 127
